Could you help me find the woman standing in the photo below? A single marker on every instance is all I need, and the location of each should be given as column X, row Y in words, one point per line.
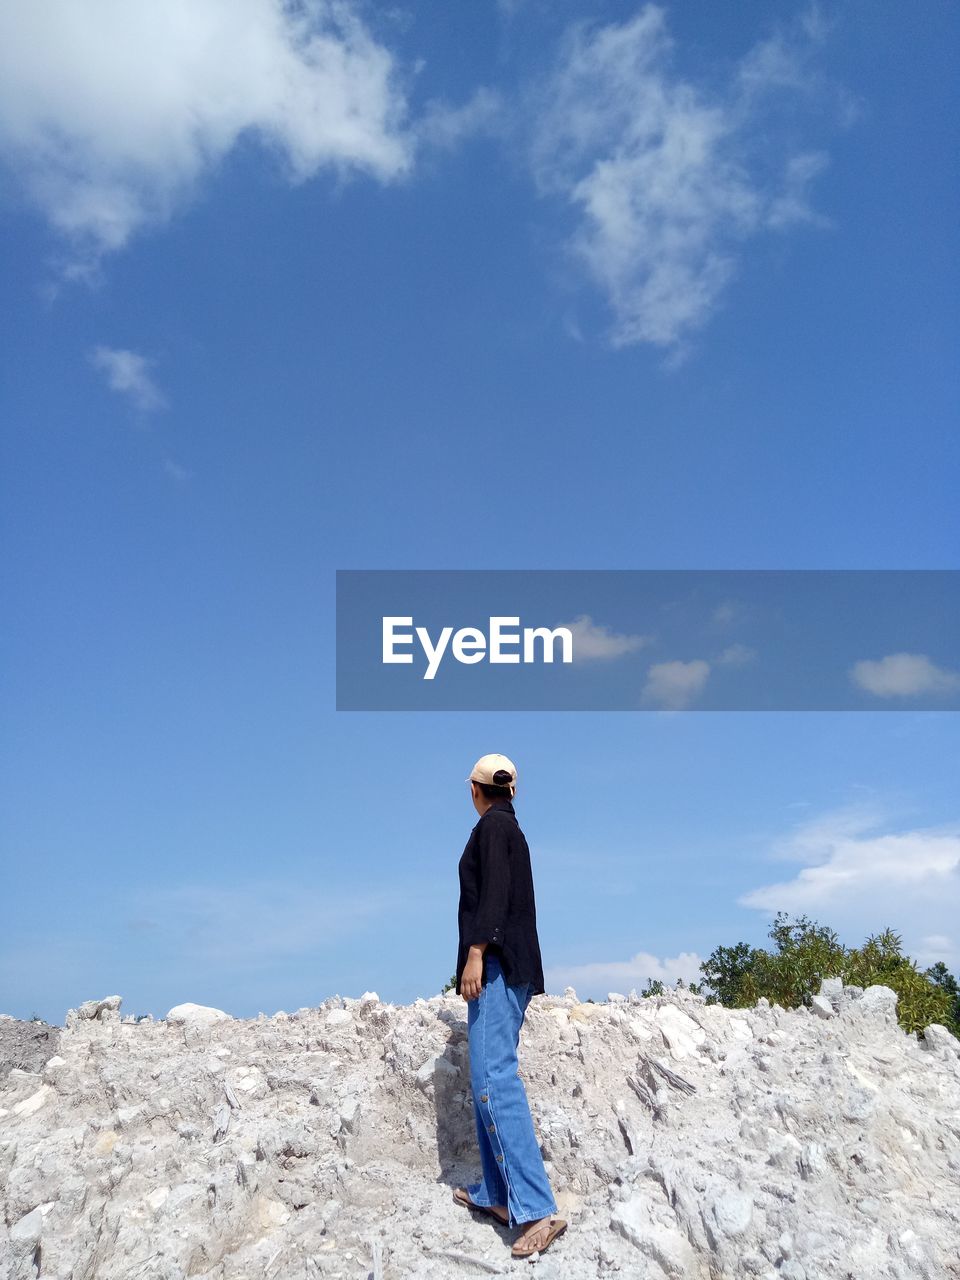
column 499, row 971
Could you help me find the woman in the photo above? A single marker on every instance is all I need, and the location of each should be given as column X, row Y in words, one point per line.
column 499, row 971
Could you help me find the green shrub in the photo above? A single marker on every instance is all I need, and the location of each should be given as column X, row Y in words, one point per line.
column 806, row 952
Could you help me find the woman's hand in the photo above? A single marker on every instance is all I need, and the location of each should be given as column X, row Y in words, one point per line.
column 471, row 980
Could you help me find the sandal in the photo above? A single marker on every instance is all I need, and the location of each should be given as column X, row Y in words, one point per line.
column 462, row 1196
column 550, row 1230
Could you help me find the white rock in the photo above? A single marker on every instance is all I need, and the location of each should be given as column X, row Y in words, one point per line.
column 940, row 1040
column 157, row 1197
column 732, row 1213
column 822, row 1007
column 96, row 1008
column 660, row 1242
column 338, row 1017
column 196, row 1015
column 35, row 1101
column 879, row 998
column 682, row 1035
column 740, row 1028
column 26, row 1232
column 248, row 1078
column 842, row 1156
column 832, row 988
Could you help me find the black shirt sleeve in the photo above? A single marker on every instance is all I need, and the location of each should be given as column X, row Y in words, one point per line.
column 493, row 855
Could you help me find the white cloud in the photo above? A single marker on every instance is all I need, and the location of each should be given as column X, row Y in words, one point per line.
column 111, row 112
column 445, row 127
column 727, row 611
column 128, row 374
column 176, row 471
column 594, row 642
column 903, row 675
column 858, row 879
column 674, row 685
column 667, row 179
column 603, row 976
column 736, row 655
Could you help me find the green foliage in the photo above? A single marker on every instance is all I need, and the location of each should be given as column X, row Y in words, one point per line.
column 806, row 952
column 920, row 1000
column 728, row 973
column 940, row 976
column 654, row 987
column 449, row 986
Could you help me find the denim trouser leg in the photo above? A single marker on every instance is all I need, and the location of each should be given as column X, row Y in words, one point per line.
column 513, row 1171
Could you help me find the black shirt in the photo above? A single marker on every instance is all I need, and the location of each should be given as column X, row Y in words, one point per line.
column 496, row 898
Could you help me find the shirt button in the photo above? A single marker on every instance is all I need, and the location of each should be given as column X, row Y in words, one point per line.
column 500, row 1158
column 491, row 1127
column 483, row 1097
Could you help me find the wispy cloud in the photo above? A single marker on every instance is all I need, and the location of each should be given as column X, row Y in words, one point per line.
column 259, row 920
column 593, row 642
column 726, row 611
column 602, row 976
column 855, row 876
column 903, row 675
column 675, row 685
column 128, row 374
column 736, row 655
column 445, row 127
column 667, row 178
column 111, row 113
column 176, row 471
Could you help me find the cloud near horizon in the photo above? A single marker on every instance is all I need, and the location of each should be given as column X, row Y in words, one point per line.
column 859, row 879
column 604, row 976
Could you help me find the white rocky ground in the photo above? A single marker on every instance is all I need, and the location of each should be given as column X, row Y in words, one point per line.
column 683, row 1140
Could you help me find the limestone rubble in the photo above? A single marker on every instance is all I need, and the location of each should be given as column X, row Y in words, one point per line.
column 683, row 1140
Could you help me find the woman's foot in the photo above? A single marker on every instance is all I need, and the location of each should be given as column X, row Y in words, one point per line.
column 538, row 1236
column 499, row 1211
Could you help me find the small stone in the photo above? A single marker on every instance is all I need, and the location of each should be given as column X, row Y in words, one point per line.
column 832, row 989
column 26, row 1232
column 937, row 1038
column 880, row 999
column 732, row 1213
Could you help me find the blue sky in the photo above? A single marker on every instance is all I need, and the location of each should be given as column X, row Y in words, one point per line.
column 517, row 285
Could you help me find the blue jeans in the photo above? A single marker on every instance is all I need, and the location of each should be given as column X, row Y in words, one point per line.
column 513, row 1170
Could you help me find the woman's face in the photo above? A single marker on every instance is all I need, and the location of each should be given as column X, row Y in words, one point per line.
column 478, row 798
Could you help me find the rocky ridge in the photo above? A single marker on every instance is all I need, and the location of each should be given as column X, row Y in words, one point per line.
column 684, row 1141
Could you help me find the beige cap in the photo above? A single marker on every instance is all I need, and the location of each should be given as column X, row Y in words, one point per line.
column 487, row 767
